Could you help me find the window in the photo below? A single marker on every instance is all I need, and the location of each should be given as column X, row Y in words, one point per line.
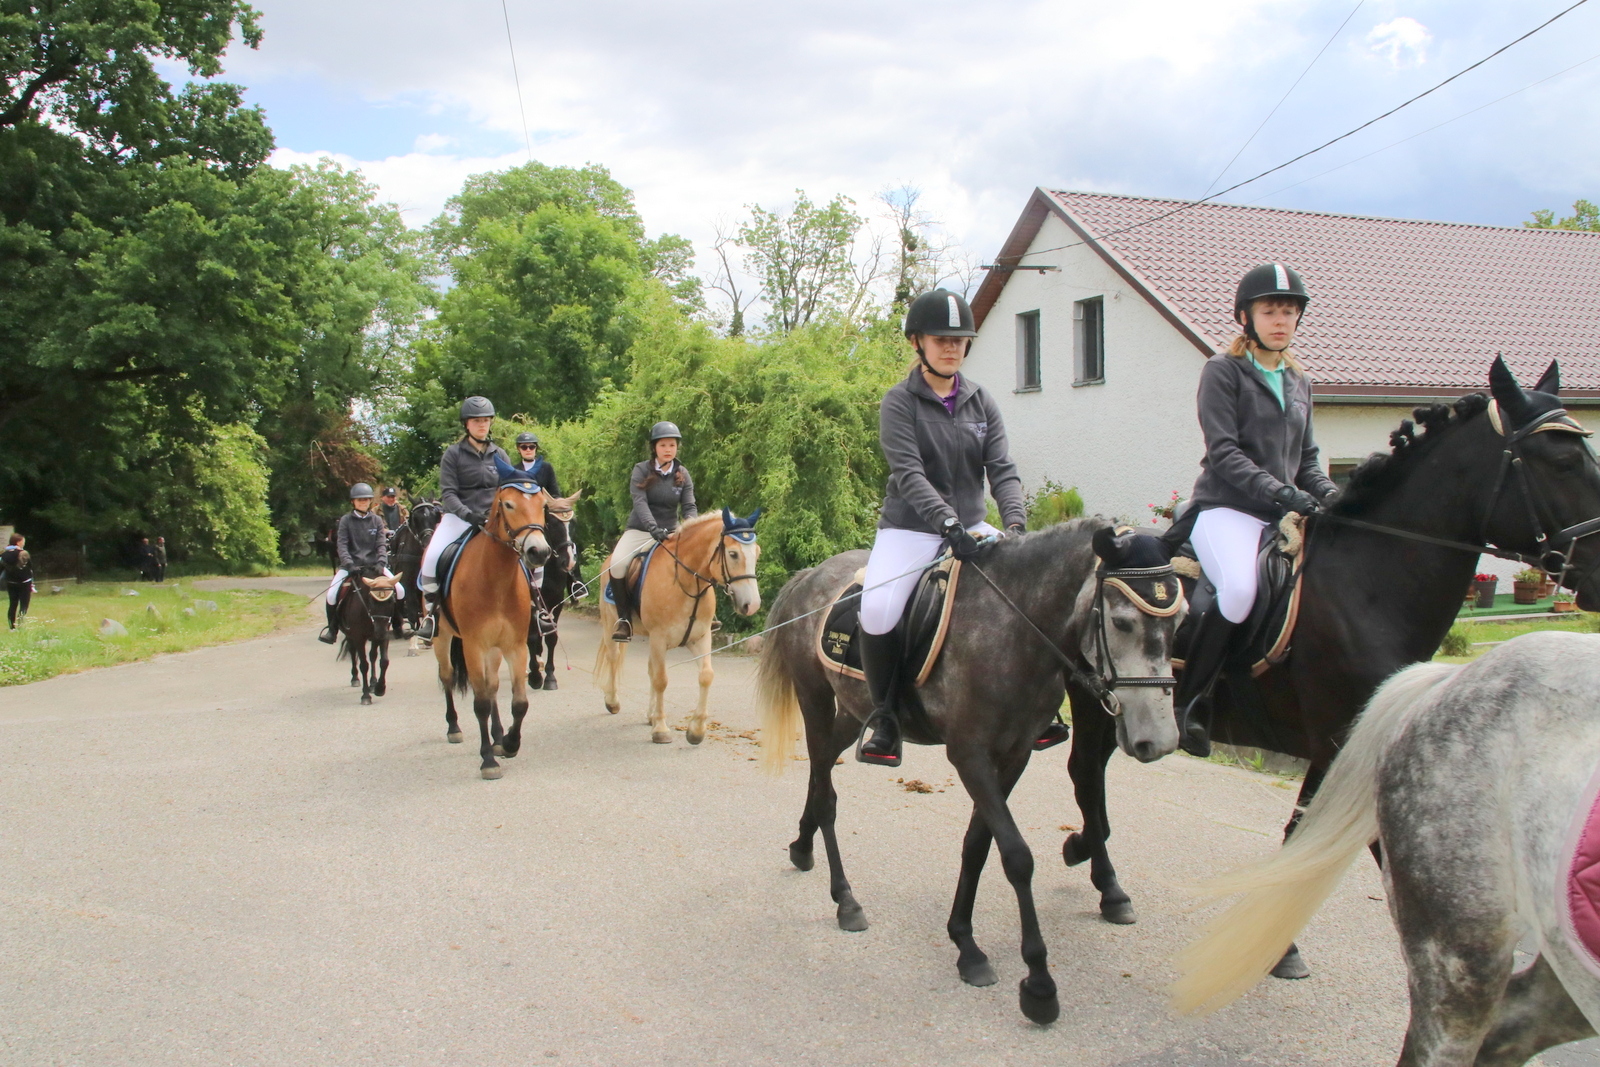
column 1089, row 341
column 1339, row 470
column 1028, row 352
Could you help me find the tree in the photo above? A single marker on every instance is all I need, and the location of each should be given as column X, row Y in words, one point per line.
column 803, row 259
column 1585, row 216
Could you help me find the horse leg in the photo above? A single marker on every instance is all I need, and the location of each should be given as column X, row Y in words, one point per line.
column 484, row 685
column 1536, row 1013
column 519, row 701
column 1293, row 965
column 971, row 961
column 608, row 663
column 362, row 652
column 447, row 675
column 696, row 731
column 550, row 652
column 1093, row 741
column 381, row 670
column 989, row 786
column 828, row 733
column 496, row 732
column 658, row 691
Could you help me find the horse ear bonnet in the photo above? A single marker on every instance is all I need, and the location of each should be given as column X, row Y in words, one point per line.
column 515, row 477
column 1551, row 381
column 1105, row 544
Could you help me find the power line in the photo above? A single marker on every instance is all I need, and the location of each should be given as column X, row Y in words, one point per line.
column 1319, row 148
column 1291, row 89
column 518, row 80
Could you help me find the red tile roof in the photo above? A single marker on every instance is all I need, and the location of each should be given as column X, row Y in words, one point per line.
column 1398, row 306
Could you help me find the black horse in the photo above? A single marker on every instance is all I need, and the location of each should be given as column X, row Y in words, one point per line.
column 365, row 615
column 405, row 559
column 562, row 584
column 1384, row 572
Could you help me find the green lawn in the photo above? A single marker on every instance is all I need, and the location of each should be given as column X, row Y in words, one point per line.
column 62, row 635
column 1477, row 633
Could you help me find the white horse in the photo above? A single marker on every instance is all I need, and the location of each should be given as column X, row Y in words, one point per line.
column 1478, row 782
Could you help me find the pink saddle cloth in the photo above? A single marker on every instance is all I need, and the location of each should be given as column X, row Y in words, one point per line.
column 1579, row 906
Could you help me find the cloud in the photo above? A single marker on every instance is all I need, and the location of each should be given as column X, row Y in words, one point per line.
column 1403, row 42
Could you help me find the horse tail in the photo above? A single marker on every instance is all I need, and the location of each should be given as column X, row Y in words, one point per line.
column 780, row 709
column 459, row 675
column 1283, row 892
column 345, row 651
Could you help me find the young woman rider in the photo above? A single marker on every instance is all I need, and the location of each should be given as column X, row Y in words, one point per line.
column 1261, row 462
column 941, row 434
column 663, row 496
column 468, row 480
column 362, row 544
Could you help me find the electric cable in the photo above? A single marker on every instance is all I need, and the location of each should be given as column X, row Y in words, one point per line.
column 517, row 79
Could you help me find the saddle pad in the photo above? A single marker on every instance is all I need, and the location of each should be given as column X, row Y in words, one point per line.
column 926, row 623
column 447, row 571
column 1578, row 893
column 637, row 583
column 1263, row 640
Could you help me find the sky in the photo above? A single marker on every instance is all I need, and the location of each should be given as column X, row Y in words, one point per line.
column 705, row 106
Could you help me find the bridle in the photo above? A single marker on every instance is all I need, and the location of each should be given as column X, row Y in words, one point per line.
column 510, row 539
column 706, row 584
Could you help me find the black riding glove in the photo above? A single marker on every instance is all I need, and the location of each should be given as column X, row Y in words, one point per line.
column 1296, row 500
column 660, row 533
column 961, row 542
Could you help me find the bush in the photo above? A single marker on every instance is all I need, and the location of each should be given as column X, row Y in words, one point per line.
column 1053, row 503
column 1458, row 642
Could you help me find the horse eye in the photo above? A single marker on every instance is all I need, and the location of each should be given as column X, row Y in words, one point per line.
column 1125, row 625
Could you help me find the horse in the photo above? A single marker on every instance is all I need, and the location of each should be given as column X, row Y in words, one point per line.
column 1077, row 601
column 1384, row 570
column 677, row 604
column 561, row 583
column 484, row 618
column 410, row 541
column 364, row 617
column 1479, row 784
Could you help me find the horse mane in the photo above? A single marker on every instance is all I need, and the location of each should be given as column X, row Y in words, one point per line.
column 1380, row 472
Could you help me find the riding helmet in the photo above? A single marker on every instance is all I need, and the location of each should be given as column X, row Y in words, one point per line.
column 940, row 313
column 476, row 407
column 1270, row 279
column 526, row 438
column 665, row 429
column 361, row 490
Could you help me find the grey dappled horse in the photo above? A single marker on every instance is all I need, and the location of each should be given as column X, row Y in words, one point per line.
column 1469, row 778
column 994, row 689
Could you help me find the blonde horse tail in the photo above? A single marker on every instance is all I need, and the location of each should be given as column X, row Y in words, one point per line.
column 780, row 709
column 1283, row 892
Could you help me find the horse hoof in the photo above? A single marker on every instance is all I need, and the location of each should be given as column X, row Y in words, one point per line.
column 1073, row 850
column 1043, row 1009
column 380, row 690
column 803, row 861
column 491, row 773
column 661, row 737
column 509, row 753
column 851, row 918
column 1119, row 912
column 550, row 685
column 454, row 737
column 366, row 698
column 499, row 750
column 1292, row 966
column 693, row 736
column 354, row 684
column 978, row 974
column 613, row 708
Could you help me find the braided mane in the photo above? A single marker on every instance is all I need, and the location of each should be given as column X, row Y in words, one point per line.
column 1380, row 472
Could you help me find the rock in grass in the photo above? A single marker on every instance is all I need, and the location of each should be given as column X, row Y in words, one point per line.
column 152, row 611
column 189, row 612
column 48, row 642
column 130, row 592
column 205, row 605
column 57, row 590
column 112, row 628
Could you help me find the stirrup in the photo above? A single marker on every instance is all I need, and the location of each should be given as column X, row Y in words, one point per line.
column 623, row 631
column 327, row 636
column 879, row 759
column 545, row 621
column 1053, row 735
column 425, row 628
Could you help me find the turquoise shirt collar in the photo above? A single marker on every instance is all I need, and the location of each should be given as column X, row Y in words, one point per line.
column 1274, row 378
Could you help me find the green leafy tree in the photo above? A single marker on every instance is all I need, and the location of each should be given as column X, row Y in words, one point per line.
column 803, row 259
column 1585, row 216
column 214, row 507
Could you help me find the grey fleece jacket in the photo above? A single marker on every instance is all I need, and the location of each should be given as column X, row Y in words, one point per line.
column 468, row 480
column 1254, row 447
column 937, row 461
column 363, row 541
column 660, row 504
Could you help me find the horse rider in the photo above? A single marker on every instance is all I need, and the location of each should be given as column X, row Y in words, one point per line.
column 468, row 481
column 391, row 511
column 363, row 545
column 941, row 434
column 1261, row 462
column 663, row 495
column 17, row 568
column 528, row 459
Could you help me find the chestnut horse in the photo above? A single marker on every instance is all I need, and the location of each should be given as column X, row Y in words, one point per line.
column 677, row 605
column 484, row 619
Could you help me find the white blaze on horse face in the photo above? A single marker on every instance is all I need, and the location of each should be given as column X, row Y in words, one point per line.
column 741, row 561
column 1139, row 645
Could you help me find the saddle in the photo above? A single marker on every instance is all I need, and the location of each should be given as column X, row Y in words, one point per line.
column 638, row 567
column 1264, row 639
column 925, row 623
column 447, row 572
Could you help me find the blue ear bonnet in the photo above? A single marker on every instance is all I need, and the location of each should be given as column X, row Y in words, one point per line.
column 742, row 530
column 514, row 477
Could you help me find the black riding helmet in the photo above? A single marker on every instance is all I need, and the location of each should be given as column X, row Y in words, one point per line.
column 940, row 313
column 1268, row 279
column 665, row 429
column 526, row 438
column 361, row 491
column 476, row 407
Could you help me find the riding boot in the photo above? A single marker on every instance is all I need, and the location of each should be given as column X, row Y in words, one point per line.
column 1053, row 735
column 1207, row 653
column 620, row 596
column 331, row 633
column 425, row 627
column 881, row 659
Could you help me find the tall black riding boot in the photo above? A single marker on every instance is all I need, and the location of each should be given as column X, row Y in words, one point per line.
column 331, row 634
column 1201, row 667
column 881, row 658
column 425, row 626
column 624, row 603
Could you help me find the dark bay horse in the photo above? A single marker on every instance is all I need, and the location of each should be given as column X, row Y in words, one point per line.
column 405, row 558
column 365, row 614
column 561, row 583
column 484, row 619
column 1510, row 471
column 1106, row 606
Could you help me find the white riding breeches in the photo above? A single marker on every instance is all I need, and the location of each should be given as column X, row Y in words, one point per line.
column 630, row 544
column 450, row 527
column 887, row 586
column 1227, row 543
column 340, row 576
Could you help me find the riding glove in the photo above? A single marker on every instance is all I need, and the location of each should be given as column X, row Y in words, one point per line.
column 1297, row 500
column 660, row 533
column 962, row 544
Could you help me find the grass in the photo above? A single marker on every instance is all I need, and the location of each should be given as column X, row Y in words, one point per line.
column 1468, row 640
column 61, row 635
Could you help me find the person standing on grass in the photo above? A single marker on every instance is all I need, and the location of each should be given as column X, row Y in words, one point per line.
column 17, row 568
column 159, row 559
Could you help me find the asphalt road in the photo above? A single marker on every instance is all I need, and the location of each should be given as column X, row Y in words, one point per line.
column 220, row 857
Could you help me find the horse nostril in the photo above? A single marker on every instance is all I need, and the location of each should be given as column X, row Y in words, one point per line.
column 1144, row 751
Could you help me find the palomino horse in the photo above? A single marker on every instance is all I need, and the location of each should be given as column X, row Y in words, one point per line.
column 410, row 541
column 677, row 606
column 484, row 619
column 561, row 583
column 365, row 615
column 1479, row 784
column 1047, row 610
column 1385, row 569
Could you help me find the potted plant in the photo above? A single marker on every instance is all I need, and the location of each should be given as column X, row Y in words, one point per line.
column 1481, row 594
column 1549, row 585
column 1563, row 602
column 1526, row 586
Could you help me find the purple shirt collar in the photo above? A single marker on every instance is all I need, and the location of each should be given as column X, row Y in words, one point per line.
column 949, row 402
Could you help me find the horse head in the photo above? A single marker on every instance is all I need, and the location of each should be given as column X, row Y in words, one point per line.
column 559, row 513
column 1129, row 638
column 739, row 554
column 423, row 518
column 517, row 517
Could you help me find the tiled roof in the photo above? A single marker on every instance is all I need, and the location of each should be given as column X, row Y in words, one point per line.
column 1396, row 304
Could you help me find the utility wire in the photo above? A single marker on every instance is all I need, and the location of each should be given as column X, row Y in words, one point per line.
column 1326, row 144
column 515, row 77
column 1286, row 95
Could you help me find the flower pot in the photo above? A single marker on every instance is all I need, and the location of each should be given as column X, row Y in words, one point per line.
column 1483, row 594
column 1526, row 592
column 1563, row 605
column 1549, row 588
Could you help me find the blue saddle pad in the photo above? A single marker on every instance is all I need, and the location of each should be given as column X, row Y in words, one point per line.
column 447, row 569
column 644, row 569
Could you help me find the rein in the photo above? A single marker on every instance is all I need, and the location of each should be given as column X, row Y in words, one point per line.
column 709, row 583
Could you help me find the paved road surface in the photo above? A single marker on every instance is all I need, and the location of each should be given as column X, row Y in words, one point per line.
column 222, row 858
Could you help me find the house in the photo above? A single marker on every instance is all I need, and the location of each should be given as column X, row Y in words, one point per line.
column 1095, row 361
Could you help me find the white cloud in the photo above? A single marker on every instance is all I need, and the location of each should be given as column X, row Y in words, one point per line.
column 1403, row 42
